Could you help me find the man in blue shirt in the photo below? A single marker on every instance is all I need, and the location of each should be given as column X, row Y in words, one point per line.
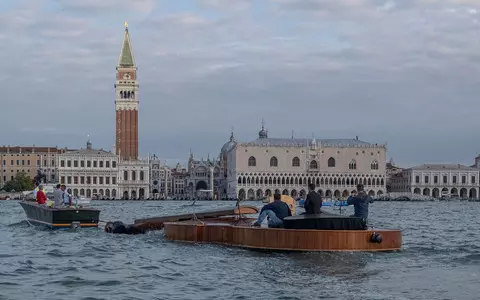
column 275, row 211
column 360, row 202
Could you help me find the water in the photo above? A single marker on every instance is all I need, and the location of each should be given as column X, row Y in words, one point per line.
column 440, row 260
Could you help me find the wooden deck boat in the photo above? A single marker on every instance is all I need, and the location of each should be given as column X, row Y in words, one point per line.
column 60, row 218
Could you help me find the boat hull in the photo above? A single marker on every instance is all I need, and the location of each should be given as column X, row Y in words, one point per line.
column 240, row 234
column 60, row 218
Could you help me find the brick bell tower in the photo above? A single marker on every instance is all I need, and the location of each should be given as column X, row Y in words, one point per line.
column 126, row 102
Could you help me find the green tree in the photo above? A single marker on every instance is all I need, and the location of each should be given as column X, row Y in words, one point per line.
column 21, row 182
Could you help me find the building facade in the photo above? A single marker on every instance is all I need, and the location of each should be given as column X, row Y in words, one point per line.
column 203, row 177
column 89, row 172
column 438, row 180
column 134, row 179
column 259, row 168
column 126, row 102
column 29, row 160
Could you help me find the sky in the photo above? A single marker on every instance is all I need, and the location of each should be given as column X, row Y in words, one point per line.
column 405, row 73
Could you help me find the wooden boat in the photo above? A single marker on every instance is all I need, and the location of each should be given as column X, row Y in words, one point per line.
column 324, row 232
column 60, row 218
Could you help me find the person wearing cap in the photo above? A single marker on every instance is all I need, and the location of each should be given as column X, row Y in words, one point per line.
column 275, row 211
column 41, row 197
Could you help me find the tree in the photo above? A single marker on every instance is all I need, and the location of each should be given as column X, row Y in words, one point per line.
column 21, row 182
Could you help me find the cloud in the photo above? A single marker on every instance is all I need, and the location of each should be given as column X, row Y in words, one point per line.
column 402, row 72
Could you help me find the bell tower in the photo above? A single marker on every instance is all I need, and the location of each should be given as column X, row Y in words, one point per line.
column 126, row 102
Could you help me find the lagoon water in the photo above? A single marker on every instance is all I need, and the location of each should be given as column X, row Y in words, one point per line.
column 440, row 259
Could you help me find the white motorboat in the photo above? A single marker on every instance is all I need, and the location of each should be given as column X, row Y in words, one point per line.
column 81, row 200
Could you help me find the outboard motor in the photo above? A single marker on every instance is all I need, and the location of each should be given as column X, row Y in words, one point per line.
column 119, row 227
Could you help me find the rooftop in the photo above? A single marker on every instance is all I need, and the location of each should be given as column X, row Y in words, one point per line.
column 126, row 59
column 442, row 167
column 302, row 142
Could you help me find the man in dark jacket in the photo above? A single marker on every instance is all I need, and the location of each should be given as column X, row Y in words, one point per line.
column 360, row 202
column 275, row 211
column 314, row 201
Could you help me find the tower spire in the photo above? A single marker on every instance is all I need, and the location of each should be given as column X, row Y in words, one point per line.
column 126, row 59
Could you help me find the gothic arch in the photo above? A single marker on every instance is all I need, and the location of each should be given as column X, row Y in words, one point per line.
column 251, row 194
column 241, row 194
column 296, row 162
column 252, row 161
column 331, row 162
column 313, row 164
column 352, row 165
column 273, row 162
column 239, row 180
column 374, row 165
column 259, row 194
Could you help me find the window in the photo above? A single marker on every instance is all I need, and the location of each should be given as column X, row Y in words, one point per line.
column 454, row 179
column 296, row 162
column 69, row 163
column 464, row 179
column 45, row 163
column 445, row 179
column 94, row 163
column 125, row 175
column 62, row 163
column 100, row 179
column 142, row 175
column 114, row 164
column 374, row 165
column 114, row 180
column 331, row 162
column 75, row 163
column 273, row 162
column 82, row 164
column 134, row 175
column 101, row 164
column 473, row 179
column 352, row 165
column 417, row 179
column 107, row 180
column 107, row 164
column 313, row 164
column 69, row 180
column 94, row 179
column 75, row 179
column 435, row 179
column 53, row 163
column 82, row 179
column 18, row 162
column 28, row 162
column 89, row 180
column 62, row 180
column 11, row 162
column 23, row 162
column 89, row 164
column 252, row 162
column 426, row 179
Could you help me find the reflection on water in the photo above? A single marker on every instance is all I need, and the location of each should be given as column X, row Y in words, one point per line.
column 440, row 259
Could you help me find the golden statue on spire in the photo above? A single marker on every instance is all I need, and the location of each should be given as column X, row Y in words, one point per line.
column 126, row 24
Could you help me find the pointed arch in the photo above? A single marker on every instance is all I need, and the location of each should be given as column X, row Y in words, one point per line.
column 322, row 182
column 274, row 180
column 378, row 181
column 313, row 165
column 317, row 182
column 239, row 180
column 273, row 162
column 369, row 182
column 330, row 181
column 374, row 165
column 347, row 181
column 296, row 180
column 343, row 181
column 283, row 180
column 252, row 161
column 352, row 165
column 331, row 162
column 257, row 181
column 381, row 181
column 296, row 162
column 334, row 181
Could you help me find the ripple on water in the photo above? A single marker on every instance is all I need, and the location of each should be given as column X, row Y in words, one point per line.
column 440, row 260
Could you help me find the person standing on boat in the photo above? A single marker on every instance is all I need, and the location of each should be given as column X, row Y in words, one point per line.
column 58, row 196
column 313, row 204
column 275, row 211
column 360, row 202
column 67, row 199
column 40, row 196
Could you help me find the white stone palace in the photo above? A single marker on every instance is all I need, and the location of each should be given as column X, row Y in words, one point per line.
column 260, row 167
column 89, row 172
column 134, row 179
column 437, row 180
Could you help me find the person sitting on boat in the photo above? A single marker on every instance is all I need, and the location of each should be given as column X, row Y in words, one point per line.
column 314, row 201
column 360, row 202
column 41, row 197
column 275, row 211
column 37, row 187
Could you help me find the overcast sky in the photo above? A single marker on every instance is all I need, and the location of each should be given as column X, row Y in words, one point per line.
column 401, row 72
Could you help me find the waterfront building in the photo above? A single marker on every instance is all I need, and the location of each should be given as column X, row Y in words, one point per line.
column 260, row 167
column 392, row 171
column 155, row 182
column 89, row 172
column 134, row 179
column 178, row 182
column 204, row 175
column 15, row 159
column 437, row 180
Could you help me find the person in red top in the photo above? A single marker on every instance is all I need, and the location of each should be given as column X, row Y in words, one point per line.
column 41, row 197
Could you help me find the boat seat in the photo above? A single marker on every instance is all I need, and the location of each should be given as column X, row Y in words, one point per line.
column 324, row 221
